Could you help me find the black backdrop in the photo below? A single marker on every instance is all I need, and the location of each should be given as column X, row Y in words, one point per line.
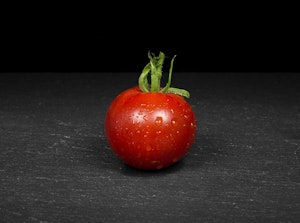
column 127, row 55
column 101, row 55
column 84, row 38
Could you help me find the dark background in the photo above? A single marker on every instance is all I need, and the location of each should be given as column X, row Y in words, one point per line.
column 113, row 38
column 224, row 51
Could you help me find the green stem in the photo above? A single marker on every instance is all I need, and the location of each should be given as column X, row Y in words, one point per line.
column 165, row 89
column 143, row 81
column 155, row 68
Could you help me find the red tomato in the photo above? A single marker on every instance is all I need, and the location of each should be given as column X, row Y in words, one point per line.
column 150, row 130
column 149, row 127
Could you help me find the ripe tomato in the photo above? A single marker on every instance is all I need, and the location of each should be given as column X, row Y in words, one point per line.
column 150, row 130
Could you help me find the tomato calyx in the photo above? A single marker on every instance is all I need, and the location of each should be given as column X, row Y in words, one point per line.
column 154, row 67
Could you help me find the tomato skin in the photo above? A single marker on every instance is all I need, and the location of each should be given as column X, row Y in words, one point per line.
column 150, row 130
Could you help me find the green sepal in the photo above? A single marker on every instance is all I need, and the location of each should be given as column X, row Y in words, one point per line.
column 155, row 68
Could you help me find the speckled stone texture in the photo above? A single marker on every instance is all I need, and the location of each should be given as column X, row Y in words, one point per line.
column 56, row 165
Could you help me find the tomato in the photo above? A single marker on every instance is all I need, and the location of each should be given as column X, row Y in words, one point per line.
column 150, row 129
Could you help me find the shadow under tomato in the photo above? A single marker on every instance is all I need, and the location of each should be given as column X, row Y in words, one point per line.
column 131, row 171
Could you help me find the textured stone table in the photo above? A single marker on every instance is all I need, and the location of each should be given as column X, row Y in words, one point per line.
column 56, row 166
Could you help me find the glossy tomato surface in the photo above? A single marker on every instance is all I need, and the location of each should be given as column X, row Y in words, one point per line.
column 150, row 130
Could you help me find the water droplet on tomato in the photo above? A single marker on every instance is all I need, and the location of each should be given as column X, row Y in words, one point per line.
column 148, row 148
column 187, row 145
column 173, row 122
column 155, row 162
column 158, row 120
column 159, row 167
